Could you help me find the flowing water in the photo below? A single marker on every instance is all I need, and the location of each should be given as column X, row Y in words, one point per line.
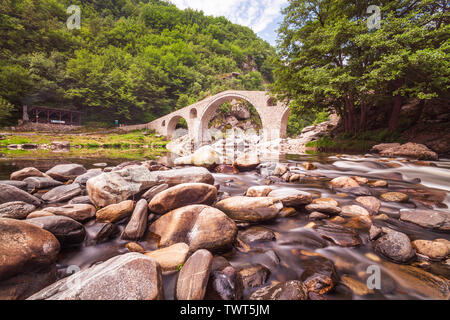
column 296, row 248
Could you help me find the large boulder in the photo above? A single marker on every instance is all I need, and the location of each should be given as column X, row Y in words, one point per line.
column 291, row 197
column 66, row 230
column 88, row 175
column 10, row 194
column 15, row 183
column 259, row 191
column 131, row 276
column 205, row 156
column 250, row 209
column 435, row 250
column 65, row 172
column 25, row 248
column 115, row 212
column 16, row 210
column 411, row 150
column 41, row 183
column 63, row 193
column 384, row 146
column 199, row 226
column 27, row 172
column 117, row 186
column 137, row 225
column 430, row 219
column 183, row 195
column 170, row 258
column 395, row 246
column 184, row 175
column 247, row 162
column 78, row 212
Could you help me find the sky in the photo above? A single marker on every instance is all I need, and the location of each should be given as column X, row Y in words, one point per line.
column 262, row 16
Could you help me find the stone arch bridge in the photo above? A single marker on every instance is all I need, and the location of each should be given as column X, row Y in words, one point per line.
column 274, row 116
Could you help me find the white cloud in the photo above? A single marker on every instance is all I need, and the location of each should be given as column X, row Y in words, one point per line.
column 256, row 14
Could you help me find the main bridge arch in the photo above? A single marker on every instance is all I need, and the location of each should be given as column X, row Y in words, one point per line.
column 274, row 116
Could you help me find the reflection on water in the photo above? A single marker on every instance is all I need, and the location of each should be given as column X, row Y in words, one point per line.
column 296, row 246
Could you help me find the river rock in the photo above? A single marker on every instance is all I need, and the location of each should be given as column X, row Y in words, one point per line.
column 309, row 166
column 10, row 194
column 117, row 186
column 319, row 275
column 291, row 197
column 395, row 246
column 354, row 211
column 344, row 183
column 183, row 195
column 253, row 275
column 137, row 225
column 100, row 232
column 25, row 248
column 226, row 169
column 41, row 183
column 199, row 226
column 356, row 286
column 193, row 278
column 317, row 216
column 81, row 200
column 16, row 210
column 435, row 250
column 259, row 191
column 371, row 203
column 255, row 234
column 247, row 162
column 339, row 235
column 131, row 276
column 394, row 197
column 66, row 230
column 27, row 172
column 250, row 209
column 379, row 183
column 324, row 208
column 384, row 146
column 289, row 290
column 411, row 150
column 88, row 175
column 115, row 212
column 63, row 193
column 65, row 172
column 134, row 247
column 280, row 170
column 185, row 175
column 78, row 212
column 38, row 214
column 224, row 284
column 326, row 201
column 205, row 156
column 170, row 258
column 430, row 219
column 15, row 183
column 153, row 191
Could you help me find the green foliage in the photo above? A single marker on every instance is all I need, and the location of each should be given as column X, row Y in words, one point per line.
column 132, row 60
column 6, row 109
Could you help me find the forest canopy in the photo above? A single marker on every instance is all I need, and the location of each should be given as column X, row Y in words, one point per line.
column 132, row 60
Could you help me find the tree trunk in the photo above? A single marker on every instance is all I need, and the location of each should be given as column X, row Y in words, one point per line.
column 395, row 115
column 363, row 119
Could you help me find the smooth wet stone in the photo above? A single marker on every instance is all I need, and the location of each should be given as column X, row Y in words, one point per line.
column 134, row 247
column 153, row 191
column 435, row 250
column 81, row 200
column 184, row 175
column 25, row 248
column 226, row 169
column 394, row 197
column 379, row 183
column 16, row 210
column 131, row 276
column 100, row 232
column 430, row 219
column 170, row 258
column 412, row 150
column 295, row 177
column 287, row 212
column 78, row 212
column 344, row 183
column 280, row 170
column 395, row 246
column 256, row 233
column 323, row 208
column 205, row 156
column 317, row 216
column 247, row 162
column 18, row 184
column 183, row 195
column 371, row 203
column 291, row 197
column 309, row 166
column 319, row 275
column 10, row 194
column 358, row 191
column 41, row 183
column 194, row 275
column 117, row 186
column 115, row 212
column 250, row 209
column 289, row 290
column 23, row 285
column 259, row 191
column 63, row 193
column 38, row 214
column 360, row 180
column 199, row 226
column 224, row 284
column 137, row 225
column 326, row 201
column 384, row 146
column 65, row 172
column 356, row 286
column 27, row 172
column 253, row 275
column 66, row 230
column 354, row 211
column 339, row 235
column 88, row 175
column 374, row 232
